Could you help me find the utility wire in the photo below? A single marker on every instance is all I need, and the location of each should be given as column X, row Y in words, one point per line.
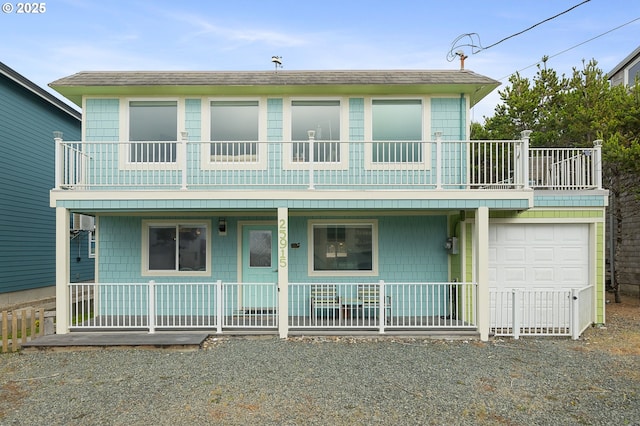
column 573, row 47
column 535, row 25
column 476, row 48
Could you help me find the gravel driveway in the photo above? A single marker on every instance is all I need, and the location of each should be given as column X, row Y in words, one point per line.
column 320, row 381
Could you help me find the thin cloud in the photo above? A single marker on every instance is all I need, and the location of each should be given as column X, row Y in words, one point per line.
column 243, row 35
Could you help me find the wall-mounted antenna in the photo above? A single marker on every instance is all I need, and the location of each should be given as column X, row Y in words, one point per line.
column 277, row 61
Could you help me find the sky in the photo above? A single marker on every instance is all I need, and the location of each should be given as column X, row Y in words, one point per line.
column 70, row 36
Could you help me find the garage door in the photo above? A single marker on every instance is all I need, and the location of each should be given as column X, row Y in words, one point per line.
column 538, row 256
column 543, row 260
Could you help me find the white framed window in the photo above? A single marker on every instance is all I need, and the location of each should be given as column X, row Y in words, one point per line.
column 176, row 248
column 343, row 248
column 92, row 244
column 632, row 72
column 313, row 129
column 236, row 129
column 150, row 128
column 397, row 134
column 153, row 131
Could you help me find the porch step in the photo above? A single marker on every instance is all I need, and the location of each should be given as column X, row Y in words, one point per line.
column 100, row 340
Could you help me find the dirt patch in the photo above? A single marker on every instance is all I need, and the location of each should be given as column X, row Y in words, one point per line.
column 621, row 333
column 12, row 395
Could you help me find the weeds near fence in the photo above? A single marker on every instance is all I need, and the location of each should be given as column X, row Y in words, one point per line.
column 19, row 326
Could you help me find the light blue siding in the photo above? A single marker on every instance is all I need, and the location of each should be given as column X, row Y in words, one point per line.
column 410, row 250
column 27, row 223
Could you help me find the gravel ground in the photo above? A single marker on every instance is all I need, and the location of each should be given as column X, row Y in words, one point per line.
column 331, row 380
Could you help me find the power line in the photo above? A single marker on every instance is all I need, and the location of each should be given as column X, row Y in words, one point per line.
column 476, row 48
column 535, row 25
column 573, row 47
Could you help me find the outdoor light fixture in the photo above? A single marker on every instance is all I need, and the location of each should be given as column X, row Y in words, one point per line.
column 222, row 226
column 57, row 134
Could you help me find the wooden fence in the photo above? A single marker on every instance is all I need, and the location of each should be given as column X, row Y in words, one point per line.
column 26, row 324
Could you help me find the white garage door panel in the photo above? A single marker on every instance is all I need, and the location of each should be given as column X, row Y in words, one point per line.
column 538, row 255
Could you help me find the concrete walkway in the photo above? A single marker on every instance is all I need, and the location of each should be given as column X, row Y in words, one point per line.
column 183, row 340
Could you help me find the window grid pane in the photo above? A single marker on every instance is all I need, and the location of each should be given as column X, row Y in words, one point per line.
column 343, row 247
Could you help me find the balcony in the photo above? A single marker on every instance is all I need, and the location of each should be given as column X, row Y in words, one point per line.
column 324, row 165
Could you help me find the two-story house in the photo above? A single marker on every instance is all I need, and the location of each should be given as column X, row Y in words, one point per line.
column 627, row 70
column 28, row 116
column 308, row 201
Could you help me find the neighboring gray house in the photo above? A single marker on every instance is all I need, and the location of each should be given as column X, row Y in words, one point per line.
column 625, row 234
column 627, row 70
column 28, row 117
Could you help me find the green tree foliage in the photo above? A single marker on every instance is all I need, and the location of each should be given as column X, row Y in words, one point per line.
column 573, row 112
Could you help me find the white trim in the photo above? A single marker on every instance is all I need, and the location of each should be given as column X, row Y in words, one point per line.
column 627, row 80
column 205, row 131
column 425, row 164
column 343, row 273
column 287, row 163
column 145, row 272
column 124, row 161
column 240, row 225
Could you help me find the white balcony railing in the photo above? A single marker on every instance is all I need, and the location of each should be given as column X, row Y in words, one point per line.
column 417, row 165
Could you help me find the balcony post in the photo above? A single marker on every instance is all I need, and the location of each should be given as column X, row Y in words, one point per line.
column 524, row 157
column 57, row 137
column 597, row 160
column 312, row 137
column 438, row 136
column 183, row 158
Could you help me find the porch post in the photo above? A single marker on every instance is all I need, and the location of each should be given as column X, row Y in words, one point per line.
column 151, row 307
column 525, row 135
column 62, row 270
column 482, row 270
column 283, row 272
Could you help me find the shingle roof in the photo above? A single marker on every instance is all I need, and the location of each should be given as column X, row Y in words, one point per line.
column 272, row 78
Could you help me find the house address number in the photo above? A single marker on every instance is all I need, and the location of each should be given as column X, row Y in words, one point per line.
column 282, row 243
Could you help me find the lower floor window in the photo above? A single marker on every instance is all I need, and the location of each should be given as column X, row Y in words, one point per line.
column 179, row 247
column 343, row 247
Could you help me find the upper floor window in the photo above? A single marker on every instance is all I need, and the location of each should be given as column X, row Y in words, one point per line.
column 150, row 124
column 318, row 120
column 234, row 131
column 396, row 130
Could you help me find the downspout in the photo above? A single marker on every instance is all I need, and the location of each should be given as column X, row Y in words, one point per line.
column 463, row 117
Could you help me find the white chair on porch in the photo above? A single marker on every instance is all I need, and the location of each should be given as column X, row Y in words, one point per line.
column 369, row 300
column 324, row 298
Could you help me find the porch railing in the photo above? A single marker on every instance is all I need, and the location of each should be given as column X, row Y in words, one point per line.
column 435, row 164
column 227, row 306
column 516, row 312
